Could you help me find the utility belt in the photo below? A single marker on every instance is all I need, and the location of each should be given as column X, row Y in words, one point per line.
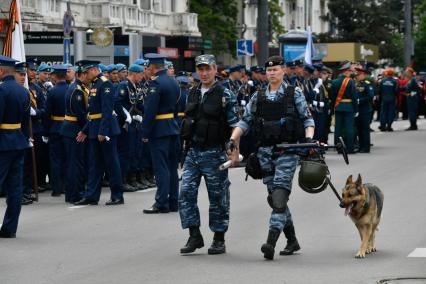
column 10, row 126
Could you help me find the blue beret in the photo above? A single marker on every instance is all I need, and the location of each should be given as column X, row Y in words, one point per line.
column 84, row 65
column 32, row 63
column 59, row 68
column 111, row 67
column 182, row 80
column 309, row 68
column 234, row 68
column 242, row 67
column 121, row 67
column 290, row 64
column 135, row 68
column 68, row 65
column 21, row 67
column 345, row 65
column 142, row 62
column 196, row 76
column 168, row 64
column 155, row 58
column 44, row 68
column 318, row 66
column 7, row 61
column 102, row 67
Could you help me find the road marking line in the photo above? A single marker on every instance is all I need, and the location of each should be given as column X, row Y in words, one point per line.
column 146, row 190
column 76, row 207
column 418, row 252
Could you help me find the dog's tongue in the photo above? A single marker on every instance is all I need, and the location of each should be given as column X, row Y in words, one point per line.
column 348, row 210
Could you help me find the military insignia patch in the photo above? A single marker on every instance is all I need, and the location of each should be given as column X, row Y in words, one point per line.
column 107, row 90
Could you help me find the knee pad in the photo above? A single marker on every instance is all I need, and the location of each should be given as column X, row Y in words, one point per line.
column 278, row 199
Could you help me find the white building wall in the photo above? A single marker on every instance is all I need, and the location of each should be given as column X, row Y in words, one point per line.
column 156, row 17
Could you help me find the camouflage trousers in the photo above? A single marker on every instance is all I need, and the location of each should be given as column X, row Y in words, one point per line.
column 205, row 164
column 279, row 174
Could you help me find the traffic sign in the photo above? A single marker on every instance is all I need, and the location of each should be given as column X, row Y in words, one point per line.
column 245, row 47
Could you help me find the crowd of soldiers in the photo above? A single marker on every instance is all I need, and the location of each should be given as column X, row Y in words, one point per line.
column 130, row 126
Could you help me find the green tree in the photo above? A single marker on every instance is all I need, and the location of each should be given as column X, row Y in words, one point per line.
column 217, row 20
column 275, row 14
column 377, row 22
column 420, row 38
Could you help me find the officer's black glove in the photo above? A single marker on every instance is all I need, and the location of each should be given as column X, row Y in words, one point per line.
column 231, row 145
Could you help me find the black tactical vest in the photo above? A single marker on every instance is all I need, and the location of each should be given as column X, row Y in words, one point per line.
column 208, row 118
column 276, row 122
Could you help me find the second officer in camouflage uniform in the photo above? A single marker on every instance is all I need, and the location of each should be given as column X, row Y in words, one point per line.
column 210, row 113
column 277, row 114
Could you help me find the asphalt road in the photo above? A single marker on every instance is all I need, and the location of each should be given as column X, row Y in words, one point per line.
column 57, row 243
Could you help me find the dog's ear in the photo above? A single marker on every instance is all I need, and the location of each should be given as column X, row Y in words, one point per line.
column 349, row 180
column 358, row 180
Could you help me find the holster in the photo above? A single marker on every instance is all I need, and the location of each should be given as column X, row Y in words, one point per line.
column 253, row 168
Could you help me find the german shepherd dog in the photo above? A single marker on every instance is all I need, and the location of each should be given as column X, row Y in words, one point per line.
column 363, row 203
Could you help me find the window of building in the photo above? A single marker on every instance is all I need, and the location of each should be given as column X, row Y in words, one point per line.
column 172, row 5
column 145, row 4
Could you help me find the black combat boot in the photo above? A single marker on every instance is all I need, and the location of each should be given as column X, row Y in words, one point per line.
column 292, row 243
column 268, row 249
column 218, row 245
column 127, row 187
column 150, row 178
column 195, row 241
column 143, row 184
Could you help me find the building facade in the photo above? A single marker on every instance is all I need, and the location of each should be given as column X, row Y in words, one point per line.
column 138, row 26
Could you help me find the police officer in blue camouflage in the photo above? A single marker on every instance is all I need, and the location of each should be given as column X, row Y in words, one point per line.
column 210, row 113
column 101, row 130
column 160, row 128
column 277, row 114
column 77, row 100
column 14, row 118
column 54, row 117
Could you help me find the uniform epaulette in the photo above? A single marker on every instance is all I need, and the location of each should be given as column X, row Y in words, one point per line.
column 79, row 88
column 153, row 78
column 104, row 79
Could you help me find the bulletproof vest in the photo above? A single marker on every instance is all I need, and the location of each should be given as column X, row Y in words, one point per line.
column 277, row 121
column 209, row 124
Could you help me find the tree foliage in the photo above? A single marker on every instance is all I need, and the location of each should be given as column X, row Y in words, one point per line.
column 276, row 13
column 377, row 22
column 217, row 20
column 420, row 38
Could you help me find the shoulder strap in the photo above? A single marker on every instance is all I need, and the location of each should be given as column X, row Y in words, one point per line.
column 289, row 99
column 341, row 91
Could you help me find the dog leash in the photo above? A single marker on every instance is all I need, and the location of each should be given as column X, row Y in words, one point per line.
column 333, row 188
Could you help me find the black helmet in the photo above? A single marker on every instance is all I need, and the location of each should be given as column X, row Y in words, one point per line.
column 312, row 176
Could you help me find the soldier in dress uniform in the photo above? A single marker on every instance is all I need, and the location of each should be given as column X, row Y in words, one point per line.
column 38, row 102
column 129, row 106
column 77, row 99
column 54, row 117
column 160, row 127
column 345, row 104
column 20, row 75
column 122, row 71
column 14, row 118
column 101, row 130
column 365, row 108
